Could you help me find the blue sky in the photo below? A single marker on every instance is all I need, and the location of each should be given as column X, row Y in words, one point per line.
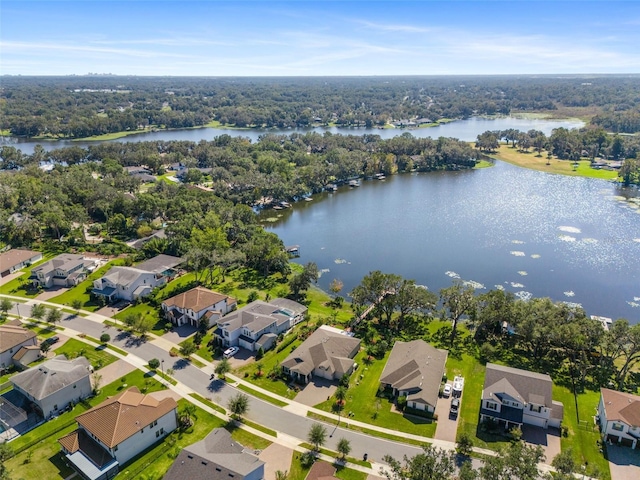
column 256, row 38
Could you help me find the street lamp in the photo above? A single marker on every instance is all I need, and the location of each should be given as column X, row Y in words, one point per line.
column 162, row 366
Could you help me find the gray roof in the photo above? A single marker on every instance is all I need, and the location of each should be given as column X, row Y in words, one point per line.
column 258, row 314
column 215, row 457
column 522, row 385
column 326, row 348
column 415, row 367
column 66, row 262
column 51, row 376
column 160, row 263
column 124, row 275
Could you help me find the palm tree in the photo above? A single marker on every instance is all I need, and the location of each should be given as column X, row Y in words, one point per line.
column 280, row 475
column 341, row 394
column 188, row 411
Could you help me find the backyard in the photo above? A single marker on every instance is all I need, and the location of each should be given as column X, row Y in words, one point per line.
column 97, row 356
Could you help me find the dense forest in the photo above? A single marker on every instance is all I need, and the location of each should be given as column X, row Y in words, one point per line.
column 76, row 107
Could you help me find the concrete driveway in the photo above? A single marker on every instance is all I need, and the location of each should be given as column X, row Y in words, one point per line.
column 446, row 427
column 276, row 457
column 50, row 293
column 114, row 371
column 624, row 462
column 316, row 391
column 548, row 439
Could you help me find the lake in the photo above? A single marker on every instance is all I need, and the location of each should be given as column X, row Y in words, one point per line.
column 572, row 239
column 466, row 130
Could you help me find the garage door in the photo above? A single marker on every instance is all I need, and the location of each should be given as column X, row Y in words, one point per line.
column 537, row 421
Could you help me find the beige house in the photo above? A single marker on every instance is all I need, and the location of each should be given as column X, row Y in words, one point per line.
column 415, row 370
column 13, row 260
column 190, row 306
column 327, row 353
column 13, row 336
column 113, row 432
column 54, row 384
column 619, row 417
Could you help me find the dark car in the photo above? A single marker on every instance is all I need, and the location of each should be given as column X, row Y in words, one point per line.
column 455, row 407
column 50, row 340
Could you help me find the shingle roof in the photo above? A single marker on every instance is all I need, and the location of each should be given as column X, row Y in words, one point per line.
column 258, row 314
column 197, row 299
column 65, row 261
column 13, row 335
column 325, row 347
column 15, row 257
column 160, row 263
column 621, row 406
column 215, row 457
column 51, row 376
column 23, row 351
column 124, row 275
column 122, row 416
column 416, row 367
column 520, row 384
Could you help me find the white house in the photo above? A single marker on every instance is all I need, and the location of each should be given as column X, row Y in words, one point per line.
column 13, row 260
column 415, row 369
column 190, row 306
column 512, row 397
column 619, row 417
column 54, row 384
column 258, row 324
column 217, row 457
column 113, row 432
column 327, row 353
column 13, row 336
column 65, row 270
column 131, row 283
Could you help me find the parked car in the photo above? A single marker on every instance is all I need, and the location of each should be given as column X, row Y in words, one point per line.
column 50, row 340
column 455, row 407
column 446, row 391
column 230, row 352
column 458, row 384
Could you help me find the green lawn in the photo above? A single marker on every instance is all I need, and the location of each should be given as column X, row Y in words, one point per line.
column 583, row 437
column 366, row 407
column 97, row 356
column 40, row 445
column 262, row 396
column 148, row 312
column 80, row 291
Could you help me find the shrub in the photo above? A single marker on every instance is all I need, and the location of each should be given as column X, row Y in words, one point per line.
column 154, row 363
column 401, row 402
column 105, row 338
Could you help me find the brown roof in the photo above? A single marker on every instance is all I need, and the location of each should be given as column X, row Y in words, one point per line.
column 122, row 416
column 79, row 440
column 197, row 299
column 14, row 257
column 13, row 335
column 621, row 406
column 321, row 470
column 23, row 351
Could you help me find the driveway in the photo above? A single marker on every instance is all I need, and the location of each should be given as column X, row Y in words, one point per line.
column 548, row 439
column 624, row 462
column 50, row 293
column 114, row 371
column 316, row 391
column 446, row 427
column 180, row 334
column 276, row 457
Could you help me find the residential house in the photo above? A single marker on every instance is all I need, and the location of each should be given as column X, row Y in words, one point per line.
column 65, row 270
column 415, row 370
column 619, row 417
column 328, row 353
column 138, row 244
column 54, row 384
column 13, row 260
column 113, row 432
column 189, row 307
column 217, row 457
column 26, row 355
column 13, row 336
column 513, row 397
column 258, row 324
column 131, row 283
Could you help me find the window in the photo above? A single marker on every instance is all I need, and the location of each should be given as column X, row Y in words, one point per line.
column 142, row 430
column 491, row 406
column 617, row 426
column 157, row 433
column 535, row 408
column 115, row 449
column 74, row 386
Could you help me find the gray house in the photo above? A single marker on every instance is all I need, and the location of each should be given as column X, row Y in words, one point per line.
column 54, row 384
column 217, row 457
column 327, row 353
column 415, row 369
column 65, row 270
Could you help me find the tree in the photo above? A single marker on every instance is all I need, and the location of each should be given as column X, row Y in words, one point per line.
column 280, row 475
column 238, row 405
column 54, row 315
column 301, row 281
column 341, row 394
column 38, row 311
column 458, row 300
column 105, row 338
column 6, row 452
column 186, row 414
column 317, row 436
column 5, row 306
column 518, row 461
column 154, row 363
column 432, row 464
column 564, row 462
column 188, row 348
column 76, row 304
column 45, row 347
column 344, row 447
column 223, row 367
column 464, row 446
column 97, row 379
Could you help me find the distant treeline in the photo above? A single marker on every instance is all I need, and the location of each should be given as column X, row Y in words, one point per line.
column 76, row 107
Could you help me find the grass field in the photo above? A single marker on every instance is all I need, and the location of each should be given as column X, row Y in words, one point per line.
column 110, row 136
column 97, row 356
column 148, row 312
column 563, row 167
